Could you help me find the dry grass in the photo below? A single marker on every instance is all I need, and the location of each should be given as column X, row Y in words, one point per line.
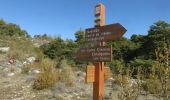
column 20, row 47
column 47, row 77
column 156, row 84
column 67, row 75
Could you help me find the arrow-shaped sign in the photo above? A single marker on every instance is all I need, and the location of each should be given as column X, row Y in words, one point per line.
column 104, row 33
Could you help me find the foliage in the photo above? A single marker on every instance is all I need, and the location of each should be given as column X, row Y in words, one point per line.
column 122, row 49
column 10, row 29
column 42, row 37
column 59, row 49
column 158, row 35
column 54, row 49
column 80, row 37
column 117, row 66
column 146, row 66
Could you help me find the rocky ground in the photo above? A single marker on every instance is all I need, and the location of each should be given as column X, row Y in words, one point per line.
column 17, row 86
column 14, row 85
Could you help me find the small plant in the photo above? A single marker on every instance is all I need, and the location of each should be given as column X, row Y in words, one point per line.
column 129, row 87
column 159, row 79
column 26, row 68
column 163, row 74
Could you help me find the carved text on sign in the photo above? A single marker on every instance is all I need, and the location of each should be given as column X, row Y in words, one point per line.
column 103, row 53
column 104, row 33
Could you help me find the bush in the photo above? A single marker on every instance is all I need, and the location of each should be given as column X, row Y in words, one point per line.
column 117, row 67
column 47, row 77
column 146, row 66
column 67, row 75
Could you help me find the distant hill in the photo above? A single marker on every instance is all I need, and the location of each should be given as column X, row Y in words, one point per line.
column 10, row 29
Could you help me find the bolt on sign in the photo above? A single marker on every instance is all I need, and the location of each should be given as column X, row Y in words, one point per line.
column 103, row 53
column 90, row 73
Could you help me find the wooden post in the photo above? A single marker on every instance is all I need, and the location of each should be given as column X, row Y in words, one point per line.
column 97, row 36
column 98, row 85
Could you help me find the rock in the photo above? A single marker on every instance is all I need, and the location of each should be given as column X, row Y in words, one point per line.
column 24, row 63
column 30, row 78
column 18, row 63
column 132, row 82
column 4, row 49
column 31, row 59
column 11, row 74
column 61, row 97
column 34, row 72
column 6, row 82
column 80, row 74
column 50, row 96
column 78, row 97
column 59, row 88
column 143, row 93
column 112, row 79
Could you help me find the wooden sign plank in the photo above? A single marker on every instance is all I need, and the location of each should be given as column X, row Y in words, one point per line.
column 104, row 33
column 95, row 54
column 90, row 73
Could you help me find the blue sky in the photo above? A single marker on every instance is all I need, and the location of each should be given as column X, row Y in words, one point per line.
column 64, row 17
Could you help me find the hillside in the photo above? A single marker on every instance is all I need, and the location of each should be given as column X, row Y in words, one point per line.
column 44, row 68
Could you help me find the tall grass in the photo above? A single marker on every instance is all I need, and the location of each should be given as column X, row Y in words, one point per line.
column 47, row 77
column 67, row 75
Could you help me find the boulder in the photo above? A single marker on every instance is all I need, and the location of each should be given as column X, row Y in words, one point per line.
column 4, row 49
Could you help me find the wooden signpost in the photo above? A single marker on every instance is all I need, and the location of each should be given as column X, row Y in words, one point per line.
column 100, row 53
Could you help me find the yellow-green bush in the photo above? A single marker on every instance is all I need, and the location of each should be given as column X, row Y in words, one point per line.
column 47, row 77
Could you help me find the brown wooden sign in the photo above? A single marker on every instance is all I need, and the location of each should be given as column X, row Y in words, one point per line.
column 90, row 73
column 95, row 54
column 104, row 33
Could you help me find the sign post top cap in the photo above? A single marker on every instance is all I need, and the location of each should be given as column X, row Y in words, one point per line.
column 99, row 4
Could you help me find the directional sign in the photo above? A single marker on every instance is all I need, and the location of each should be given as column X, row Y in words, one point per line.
column 104, row 33
column 90, row 73
column 103, row 53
